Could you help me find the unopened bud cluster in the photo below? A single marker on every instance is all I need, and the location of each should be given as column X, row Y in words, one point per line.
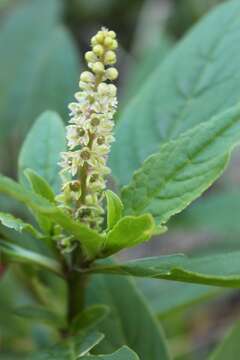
column 89, row 133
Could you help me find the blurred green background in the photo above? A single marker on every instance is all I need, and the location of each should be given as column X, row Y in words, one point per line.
column 42, row 43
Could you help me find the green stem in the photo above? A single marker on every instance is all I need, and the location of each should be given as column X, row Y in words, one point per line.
column 77, row 283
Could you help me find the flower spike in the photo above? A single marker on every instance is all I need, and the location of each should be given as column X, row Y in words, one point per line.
column 89, row 133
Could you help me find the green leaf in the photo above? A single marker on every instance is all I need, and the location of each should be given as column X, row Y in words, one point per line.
column 166, row 297
column 90, row 240
column 11, row 222
column 130, row 320
column 114, row 209
column 19, row 254
column 36, row 74
column 39, row 185
column 216, row 213
column 71, row 349
column 230, row 346
column 122, row 354
column 39, row 314
column 191, row 85
column 171, row 179
column 219, row 270
column 41, row 149
column 89, row 318
column 128, row 232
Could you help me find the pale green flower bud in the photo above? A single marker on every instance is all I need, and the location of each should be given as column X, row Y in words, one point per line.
column 111, row 73
column 87, row 77
column 98, row 50
column 112, row 34
column 103, row 89
column 98, row 68
column 90, row 56
column 110, row 57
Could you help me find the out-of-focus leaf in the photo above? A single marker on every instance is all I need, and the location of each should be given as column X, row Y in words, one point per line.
column 71, row 349
column 35, row 73
column 122, row 354
column 130, row 320
column 19, row 254
column 89, row 318
column 181, row 92
column 170, row 180
column 230, row 347
column 11, row 222
column 41, row 150
column 218, row 270
column 217, row 213
column 39, row 185
column 166, row 297
column 39, row 314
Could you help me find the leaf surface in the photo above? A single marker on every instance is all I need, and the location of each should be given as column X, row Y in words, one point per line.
column 41, row 150
column 218, row 270
column 230, row 347
column 191, row 85
column 130, row 319
column 129, row 231
column 170, row 180
column 122, row 354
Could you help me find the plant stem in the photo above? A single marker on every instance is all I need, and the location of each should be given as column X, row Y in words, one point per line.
column 76, row 294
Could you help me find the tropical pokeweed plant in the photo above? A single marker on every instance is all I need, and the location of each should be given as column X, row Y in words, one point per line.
column 76, row 223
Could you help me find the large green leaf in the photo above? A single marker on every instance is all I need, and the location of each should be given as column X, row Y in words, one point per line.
column 129, row 231
column 166, row 297
column 197, row 80
column 219, row 270
column 91, row 241
column 171, row 179
column 216, row 213
column 70, row 349
column 35, row 73
column 42, row 147
column 122, row 354
column 230, row 347
column 130, row 321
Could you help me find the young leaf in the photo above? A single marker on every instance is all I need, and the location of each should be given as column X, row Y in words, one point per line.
column 114, row 209
column 219, row 270
column 19, row 254
column 11, row 222
column 181, row 92
column 91, row 241
column 130, row 320
column 73, row 348
column 40, row 314
column 89, row 317
column 128, row 232
column 122, row 354
column 39, row 185
column 230, row 347
column 41, row 150
column 171, row 179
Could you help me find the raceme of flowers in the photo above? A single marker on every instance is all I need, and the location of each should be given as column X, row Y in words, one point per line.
column 90, row 134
